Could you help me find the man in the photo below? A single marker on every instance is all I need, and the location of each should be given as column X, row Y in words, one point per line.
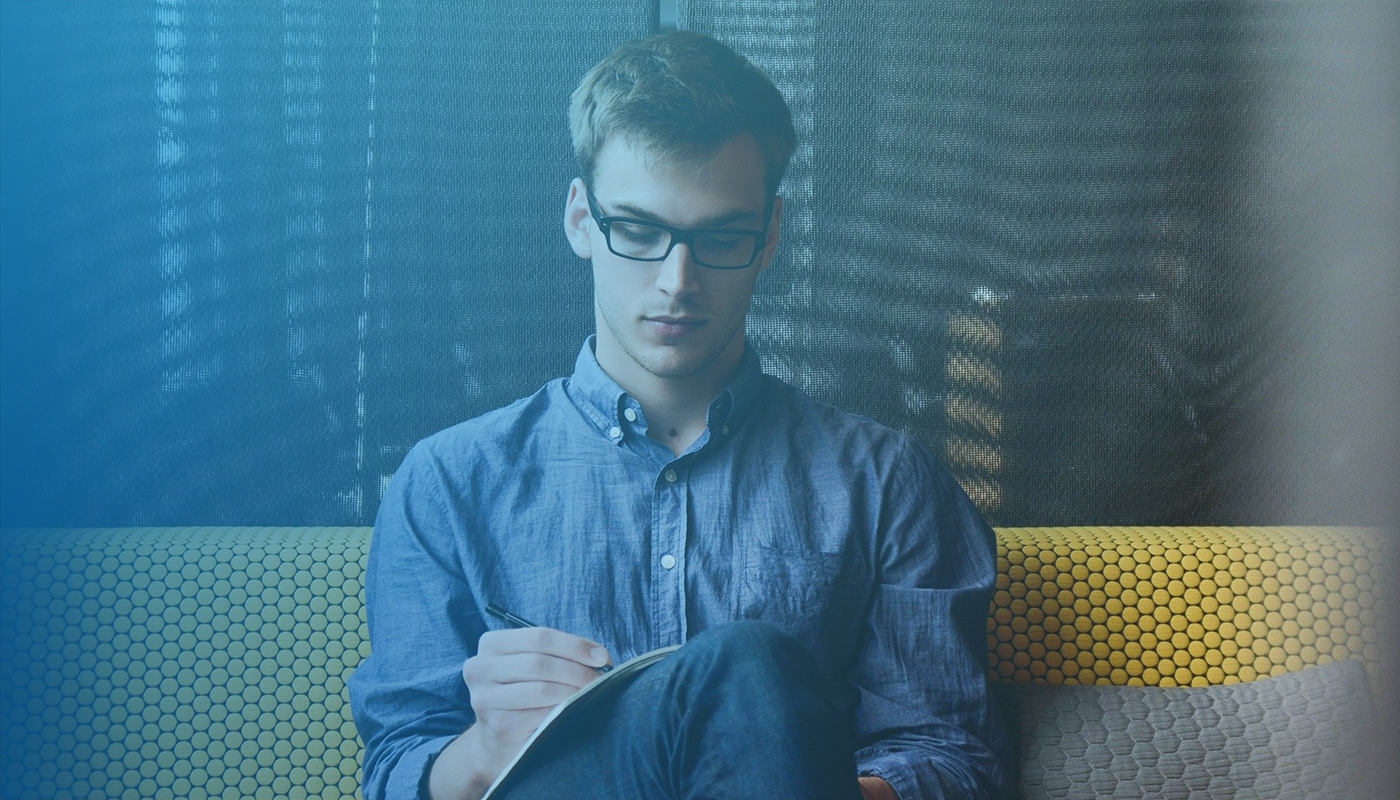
column 829, row 580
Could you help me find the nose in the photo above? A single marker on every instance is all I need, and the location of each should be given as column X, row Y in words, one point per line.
column 678, row 274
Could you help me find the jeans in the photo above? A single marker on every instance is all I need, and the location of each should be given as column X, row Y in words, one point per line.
column 741, row 711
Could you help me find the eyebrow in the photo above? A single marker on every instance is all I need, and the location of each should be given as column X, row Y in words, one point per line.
column 712, row 221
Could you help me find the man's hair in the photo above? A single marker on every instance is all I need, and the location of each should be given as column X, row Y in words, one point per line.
column 681, row 94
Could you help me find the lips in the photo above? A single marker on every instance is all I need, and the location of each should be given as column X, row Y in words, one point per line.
column 673, row 326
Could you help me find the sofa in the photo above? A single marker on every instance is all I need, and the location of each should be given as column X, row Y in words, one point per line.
column 1133, row 662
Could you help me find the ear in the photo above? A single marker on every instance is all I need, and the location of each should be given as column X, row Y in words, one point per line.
column 578, row 223
column 770, row 246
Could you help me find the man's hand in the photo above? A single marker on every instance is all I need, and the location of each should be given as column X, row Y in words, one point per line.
column 516, row 677
column 873, row 788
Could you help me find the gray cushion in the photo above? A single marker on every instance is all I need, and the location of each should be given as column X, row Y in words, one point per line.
column 1294, row 736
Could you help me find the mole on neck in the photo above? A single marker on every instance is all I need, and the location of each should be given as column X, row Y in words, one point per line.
column 674, row 432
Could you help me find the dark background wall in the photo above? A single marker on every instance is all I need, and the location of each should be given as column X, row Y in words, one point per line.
column 1113, row 262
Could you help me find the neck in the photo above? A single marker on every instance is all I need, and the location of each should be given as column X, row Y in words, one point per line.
column 675, row 408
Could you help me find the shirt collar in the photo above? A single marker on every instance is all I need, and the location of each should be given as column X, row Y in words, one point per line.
column 604, row 402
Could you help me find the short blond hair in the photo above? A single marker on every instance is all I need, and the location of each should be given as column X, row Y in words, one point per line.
column 682, row 94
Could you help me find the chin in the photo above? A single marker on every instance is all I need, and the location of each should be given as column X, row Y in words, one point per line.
column 673, row 362
column 675, row 367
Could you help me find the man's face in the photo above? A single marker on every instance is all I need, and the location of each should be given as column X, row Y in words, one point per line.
column 671, row 319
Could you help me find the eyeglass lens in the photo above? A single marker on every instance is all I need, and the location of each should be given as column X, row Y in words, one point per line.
column 716, row 249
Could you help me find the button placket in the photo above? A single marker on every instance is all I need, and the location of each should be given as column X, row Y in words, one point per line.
column 672, row 501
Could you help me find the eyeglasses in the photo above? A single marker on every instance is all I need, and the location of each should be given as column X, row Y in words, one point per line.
column 641, row 240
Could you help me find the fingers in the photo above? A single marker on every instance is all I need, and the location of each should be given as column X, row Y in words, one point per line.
column 543, row 640
column 521, row 696
column 517, row 676
column 528, row 667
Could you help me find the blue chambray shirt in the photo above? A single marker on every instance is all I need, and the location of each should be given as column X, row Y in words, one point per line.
column 841, row 531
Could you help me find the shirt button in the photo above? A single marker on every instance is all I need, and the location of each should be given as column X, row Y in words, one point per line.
column 725, row 430
column 630, row 415
column 668, row 561
column 614, row 432
column 671, row 476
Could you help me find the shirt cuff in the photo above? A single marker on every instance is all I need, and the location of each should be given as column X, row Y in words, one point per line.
column 409, row 777
column 892, row 770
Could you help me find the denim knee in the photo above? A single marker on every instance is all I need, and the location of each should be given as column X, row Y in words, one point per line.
column 757, row 674
column 753, row 647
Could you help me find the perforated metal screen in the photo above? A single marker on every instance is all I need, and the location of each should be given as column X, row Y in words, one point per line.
column 252, row 252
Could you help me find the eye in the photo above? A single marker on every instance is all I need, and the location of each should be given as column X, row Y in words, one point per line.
column 723, row 242
column 637, row 234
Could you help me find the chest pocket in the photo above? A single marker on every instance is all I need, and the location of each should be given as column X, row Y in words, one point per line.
column 819, row 598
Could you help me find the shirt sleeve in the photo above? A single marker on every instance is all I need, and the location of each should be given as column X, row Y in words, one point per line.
column 408, row 696
column 925, row 721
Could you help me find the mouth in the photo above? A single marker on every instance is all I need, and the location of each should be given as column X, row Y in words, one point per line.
column 669, row 326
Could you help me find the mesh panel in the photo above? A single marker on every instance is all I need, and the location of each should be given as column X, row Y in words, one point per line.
column 1011, row 240
column 253, row 252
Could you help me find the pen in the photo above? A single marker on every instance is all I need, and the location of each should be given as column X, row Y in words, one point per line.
column 520, row 622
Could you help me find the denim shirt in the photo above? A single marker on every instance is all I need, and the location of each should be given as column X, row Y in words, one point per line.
column 841, row 531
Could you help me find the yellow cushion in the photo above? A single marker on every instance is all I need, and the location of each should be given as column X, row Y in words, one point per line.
column 181, row 662
column 1179, row 606
column 211, row 662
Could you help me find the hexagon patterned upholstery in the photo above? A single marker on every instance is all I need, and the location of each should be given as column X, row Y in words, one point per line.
column 211, row 662
column 1295, row 737
column 1180, row 606
column 181, row 662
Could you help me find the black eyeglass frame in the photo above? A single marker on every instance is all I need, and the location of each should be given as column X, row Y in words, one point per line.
column 679, row 235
